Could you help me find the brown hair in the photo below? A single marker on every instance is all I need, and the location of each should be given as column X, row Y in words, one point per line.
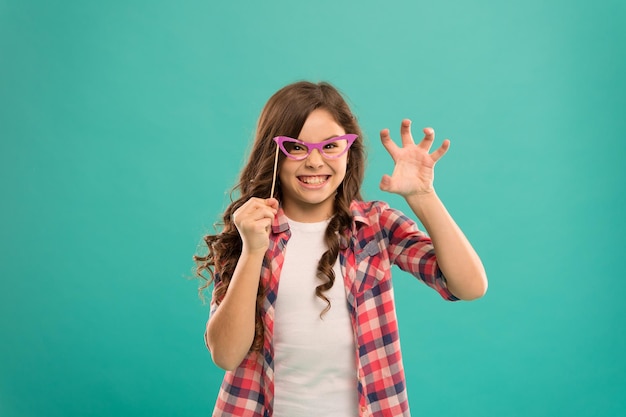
column 285, row 114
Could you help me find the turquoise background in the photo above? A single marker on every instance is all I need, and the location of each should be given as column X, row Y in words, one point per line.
column 123, row 125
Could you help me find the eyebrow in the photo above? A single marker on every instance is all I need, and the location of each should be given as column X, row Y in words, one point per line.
column 328, row 138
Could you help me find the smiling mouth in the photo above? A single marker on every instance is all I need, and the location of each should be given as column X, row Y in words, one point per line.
column 314, row 179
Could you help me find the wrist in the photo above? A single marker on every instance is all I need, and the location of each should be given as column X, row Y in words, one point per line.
column 422, row 203
column 420, row 196
column 253, row 252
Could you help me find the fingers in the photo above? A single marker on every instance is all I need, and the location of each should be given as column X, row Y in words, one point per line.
column 262, row 208
column 407, row 136
column 407, row 141
column 429, row 138
column 441, row 150
column 272, row 202
column 256, row 203
column 388, row 143
column 405, row 133
column 256, row 214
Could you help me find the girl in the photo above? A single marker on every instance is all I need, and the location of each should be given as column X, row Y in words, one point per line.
column 302, row 313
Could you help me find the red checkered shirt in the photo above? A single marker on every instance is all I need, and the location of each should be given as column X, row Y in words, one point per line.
column 380, row 237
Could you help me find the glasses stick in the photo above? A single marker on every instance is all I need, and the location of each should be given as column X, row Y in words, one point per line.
column 274, row 175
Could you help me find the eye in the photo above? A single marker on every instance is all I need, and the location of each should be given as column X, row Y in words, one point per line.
column 295, row 149
column 331, row 145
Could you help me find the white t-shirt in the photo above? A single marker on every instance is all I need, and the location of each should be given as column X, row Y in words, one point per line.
column 314, row 358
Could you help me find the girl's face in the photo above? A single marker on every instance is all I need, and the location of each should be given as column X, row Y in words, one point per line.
column 309, row 186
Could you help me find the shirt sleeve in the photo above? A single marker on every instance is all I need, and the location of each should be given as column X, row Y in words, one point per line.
column 412, row 250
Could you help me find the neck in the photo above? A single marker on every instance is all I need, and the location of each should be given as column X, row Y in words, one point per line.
column 308, row 213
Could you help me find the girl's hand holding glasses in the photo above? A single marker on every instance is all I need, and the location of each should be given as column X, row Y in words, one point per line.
column 254, row 220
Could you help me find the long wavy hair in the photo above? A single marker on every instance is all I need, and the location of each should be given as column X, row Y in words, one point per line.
column 284, row 114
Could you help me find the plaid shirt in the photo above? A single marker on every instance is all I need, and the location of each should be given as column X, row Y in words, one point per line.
column 380, row 237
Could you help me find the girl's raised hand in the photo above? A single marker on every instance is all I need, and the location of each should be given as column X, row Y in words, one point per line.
column 254, row 220
column 414, row 165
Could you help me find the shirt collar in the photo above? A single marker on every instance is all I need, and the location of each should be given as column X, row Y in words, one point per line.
column 358, row 212
column 280, row 224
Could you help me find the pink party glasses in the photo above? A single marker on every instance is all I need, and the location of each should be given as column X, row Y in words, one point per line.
column 298, row 150
column 330, row 148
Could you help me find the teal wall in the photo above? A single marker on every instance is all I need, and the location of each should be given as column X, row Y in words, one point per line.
column 124, row 123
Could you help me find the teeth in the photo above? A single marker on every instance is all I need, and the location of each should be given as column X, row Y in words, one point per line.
column 313, row 180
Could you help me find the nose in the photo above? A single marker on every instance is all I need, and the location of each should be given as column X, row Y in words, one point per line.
column 315, row 159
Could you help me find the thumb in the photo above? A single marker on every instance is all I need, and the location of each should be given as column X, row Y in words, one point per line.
column 385, row 183
column 272, row 202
